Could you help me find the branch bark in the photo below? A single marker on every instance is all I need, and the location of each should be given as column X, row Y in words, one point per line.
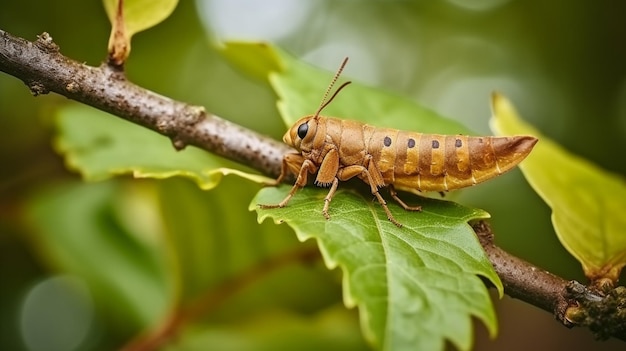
column 44, row 69
column 572, row 303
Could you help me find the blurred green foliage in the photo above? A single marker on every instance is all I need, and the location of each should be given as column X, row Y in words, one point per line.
column 560, row 62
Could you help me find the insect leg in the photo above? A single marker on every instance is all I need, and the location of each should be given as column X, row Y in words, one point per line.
column 351, row 171
column 394, row 195
column 328, row 169
column 307, row 167
column 292, row 163
column 383, row 203
column 329, row 197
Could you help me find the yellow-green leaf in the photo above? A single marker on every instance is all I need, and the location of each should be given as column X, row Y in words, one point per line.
column 132, row 16
column 141, row 14
column 587, row 201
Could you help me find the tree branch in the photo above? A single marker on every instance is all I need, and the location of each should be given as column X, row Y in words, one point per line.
column 523, row 280
column 572, row 303
column 43, row 69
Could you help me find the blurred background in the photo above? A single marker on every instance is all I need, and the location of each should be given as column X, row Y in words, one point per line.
column 560, row 62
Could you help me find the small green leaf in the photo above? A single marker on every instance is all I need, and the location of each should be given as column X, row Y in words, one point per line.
column 129, row 17
column 415, row 286
column 587, row 202
column 100, row 146
column 140, row 14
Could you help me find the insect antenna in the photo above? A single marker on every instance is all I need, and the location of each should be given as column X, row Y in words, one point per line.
column 325, row 102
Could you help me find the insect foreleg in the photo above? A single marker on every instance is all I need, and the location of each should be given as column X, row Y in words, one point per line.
column 292, row 163
column 307, row 167
column 394, row 195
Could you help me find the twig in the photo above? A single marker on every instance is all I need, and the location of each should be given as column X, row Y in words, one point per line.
column 40, row 65
column 523, row 280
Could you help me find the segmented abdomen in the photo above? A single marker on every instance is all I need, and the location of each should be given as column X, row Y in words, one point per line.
column 434, row 162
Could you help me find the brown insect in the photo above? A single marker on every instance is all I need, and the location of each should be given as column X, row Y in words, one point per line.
column 338, row 149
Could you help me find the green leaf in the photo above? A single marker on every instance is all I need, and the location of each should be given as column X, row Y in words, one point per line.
column 140, row 14
column 100, row 146
column 415, row 286
column 587, row 202
column 300, row 88
column 105, row 234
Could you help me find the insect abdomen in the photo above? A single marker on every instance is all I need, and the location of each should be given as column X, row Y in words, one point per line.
column 435, row 162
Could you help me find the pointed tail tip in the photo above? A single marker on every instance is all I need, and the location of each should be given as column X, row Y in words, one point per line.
column 514, row 145
column 524, row 143
column 529, row 141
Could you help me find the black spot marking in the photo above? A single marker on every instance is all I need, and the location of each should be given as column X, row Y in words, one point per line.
column 435, row 144
column 411, row 143
column 387, row 141
column 458, row 143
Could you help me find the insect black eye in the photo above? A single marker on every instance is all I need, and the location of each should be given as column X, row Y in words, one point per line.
column 302, row 130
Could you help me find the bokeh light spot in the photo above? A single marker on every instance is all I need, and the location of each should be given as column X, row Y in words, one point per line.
column 57, row 314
